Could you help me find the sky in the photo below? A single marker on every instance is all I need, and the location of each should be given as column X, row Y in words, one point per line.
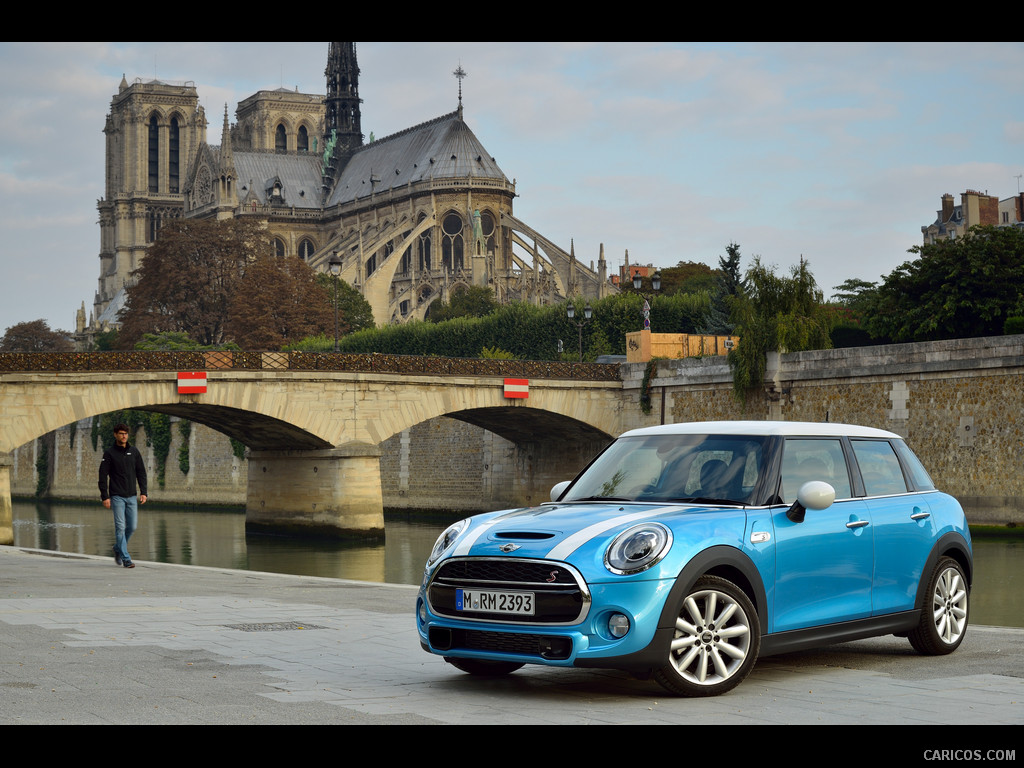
column 834, row 152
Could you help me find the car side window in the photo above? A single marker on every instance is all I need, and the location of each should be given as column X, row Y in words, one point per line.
column 879, row 467
column 804, row 460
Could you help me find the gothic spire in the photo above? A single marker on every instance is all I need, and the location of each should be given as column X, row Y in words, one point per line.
column 342, row 102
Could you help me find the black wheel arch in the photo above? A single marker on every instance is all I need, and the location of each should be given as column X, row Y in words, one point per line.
column 728, row 563
column 953, row 545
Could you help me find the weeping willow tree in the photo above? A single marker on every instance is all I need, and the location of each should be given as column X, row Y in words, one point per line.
column 775, row 314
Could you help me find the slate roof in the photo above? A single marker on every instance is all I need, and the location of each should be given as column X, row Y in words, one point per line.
column 299, row 175
column 441, row 148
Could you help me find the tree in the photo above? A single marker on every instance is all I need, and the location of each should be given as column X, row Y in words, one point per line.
column 277, row 301
column 471, row 301
column 954, row 289
column 353, row 309
column 775, row 314
column 688, row 277
column 35, row 336
column 853, row 299
column 188, row 278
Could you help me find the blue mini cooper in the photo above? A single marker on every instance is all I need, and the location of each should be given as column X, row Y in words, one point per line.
column 685, row 551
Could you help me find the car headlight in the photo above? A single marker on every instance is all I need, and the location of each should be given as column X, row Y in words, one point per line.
column 638, row 548
column 445, row 540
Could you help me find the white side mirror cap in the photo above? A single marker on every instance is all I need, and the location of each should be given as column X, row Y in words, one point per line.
column 816, row 495
column 559, row 489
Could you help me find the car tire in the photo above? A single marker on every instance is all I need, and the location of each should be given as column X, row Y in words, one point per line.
column 944, row 614
column 484, row 667
column 716, row 640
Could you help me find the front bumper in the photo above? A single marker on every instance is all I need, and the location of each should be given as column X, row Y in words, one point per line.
column 587, row 642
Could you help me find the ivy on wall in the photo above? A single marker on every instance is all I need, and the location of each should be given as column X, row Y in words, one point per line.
column 185, row 430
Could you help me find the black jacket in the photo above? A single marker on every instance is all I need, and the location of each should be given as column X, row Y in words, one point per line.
column 124, row 468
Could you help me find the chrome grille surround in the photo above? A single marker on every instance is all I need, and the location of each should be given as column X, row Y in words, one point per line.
column 561, row 595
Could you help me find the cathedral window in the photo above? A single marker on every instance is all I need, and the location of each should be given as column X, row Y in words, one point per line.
column 172, row 158
column 279, row 247
column 154, row 156
column 423, row 248
column 303, row 139
column 452, row 242
column 488, row 228
column 280, row 140
column 306, row 249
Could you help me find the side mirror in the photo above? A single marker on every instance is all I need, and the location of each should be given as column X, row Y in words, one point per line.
column 558, row 489
column 813, row 495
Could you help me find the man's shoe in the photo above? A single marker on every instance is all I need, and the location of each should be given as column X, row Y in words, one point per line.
column 117, row 558
column 128, row 564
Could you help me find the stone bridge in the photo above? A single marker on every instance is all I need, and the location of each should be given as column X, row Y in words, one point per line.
column 314, row 423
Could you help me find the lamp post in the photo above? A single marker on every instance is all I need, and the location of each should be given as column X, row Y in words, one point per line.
column 335, row 265
column 570, row 312
column 656, row 285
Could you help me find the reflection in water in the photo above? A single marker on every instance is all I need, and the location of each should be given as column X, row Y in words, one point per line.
column 218, row 539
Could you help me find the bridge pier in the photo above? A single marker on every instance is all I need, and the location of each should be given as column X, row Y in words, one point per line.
column 6, row 510
column 331, row 492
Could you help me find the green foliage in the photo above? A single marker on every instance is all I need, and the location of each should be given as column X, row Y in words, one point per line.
column 1014, row 325
column 954, row 289
column 645, row 385
column 471, row 301
column 168, row 341
column 237, row 448
column 775, row 314
column 185, row 430
column 354, row 311
column 105, row 341
column 493, row 353
column 529, row 332
column 689, row 277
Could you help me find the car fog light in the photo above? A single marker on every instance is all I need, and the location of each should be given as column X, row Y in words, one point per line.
column 618, row 625
column 423, row 613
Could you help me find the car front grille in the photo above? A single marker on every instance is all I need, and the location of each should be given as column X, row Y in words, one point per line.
column 560, row 594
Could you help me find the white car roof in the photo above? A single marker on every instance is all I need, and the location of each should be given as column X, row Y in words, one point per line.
column 784, row 428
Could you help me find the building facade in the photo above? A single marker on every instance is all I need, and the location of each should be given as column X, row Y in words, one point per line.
column 411, row 216
column 975, row 209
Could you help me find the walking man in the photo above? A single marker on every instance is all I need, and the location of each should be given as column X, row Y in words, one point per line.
column 121, row 469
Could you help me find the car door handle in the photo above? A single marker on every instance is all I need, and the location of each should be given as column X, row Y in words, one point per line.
column 857, row 523
column 919, row 515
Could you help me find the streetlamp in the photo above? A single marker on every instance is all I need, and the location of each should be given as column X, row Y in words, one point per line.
column 335, row 266
column 570, row 312
column 656, row 285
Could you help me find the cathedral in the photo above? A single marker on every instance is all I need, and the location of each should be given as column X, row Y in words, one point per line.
column 406, row 219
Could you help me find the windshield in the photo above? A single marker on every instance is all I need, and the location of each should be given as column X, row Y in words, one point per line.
column 711, row 469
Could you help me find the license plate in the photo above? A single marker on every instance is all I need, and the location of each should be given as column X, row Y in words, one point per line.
column 519, row 603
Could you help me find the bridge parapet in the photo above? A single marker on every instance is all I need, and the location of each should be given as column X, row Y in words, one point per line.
column 30, row 362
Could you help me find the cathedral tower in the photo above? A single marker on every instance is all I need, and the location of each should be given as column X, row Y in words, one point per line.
column 153, row 131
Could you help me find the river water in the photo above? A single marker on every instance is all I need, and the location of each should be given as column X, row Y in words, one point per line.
column 218, row 539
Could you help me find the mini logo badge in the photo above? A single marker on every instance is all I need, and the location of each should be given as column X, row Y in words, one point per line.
column 552, row 577
column 508, row 547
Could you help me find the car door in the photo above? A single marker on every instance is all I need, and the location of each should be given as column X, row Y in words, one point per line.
column 904, row 531
column 823, row 565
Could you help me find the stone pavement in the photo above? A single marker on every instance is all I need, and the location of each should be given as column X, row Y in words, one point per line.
column 83, row 641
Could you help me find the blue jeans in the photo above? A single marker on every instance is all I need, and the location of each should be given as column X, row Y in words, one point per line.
column 126, row 520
